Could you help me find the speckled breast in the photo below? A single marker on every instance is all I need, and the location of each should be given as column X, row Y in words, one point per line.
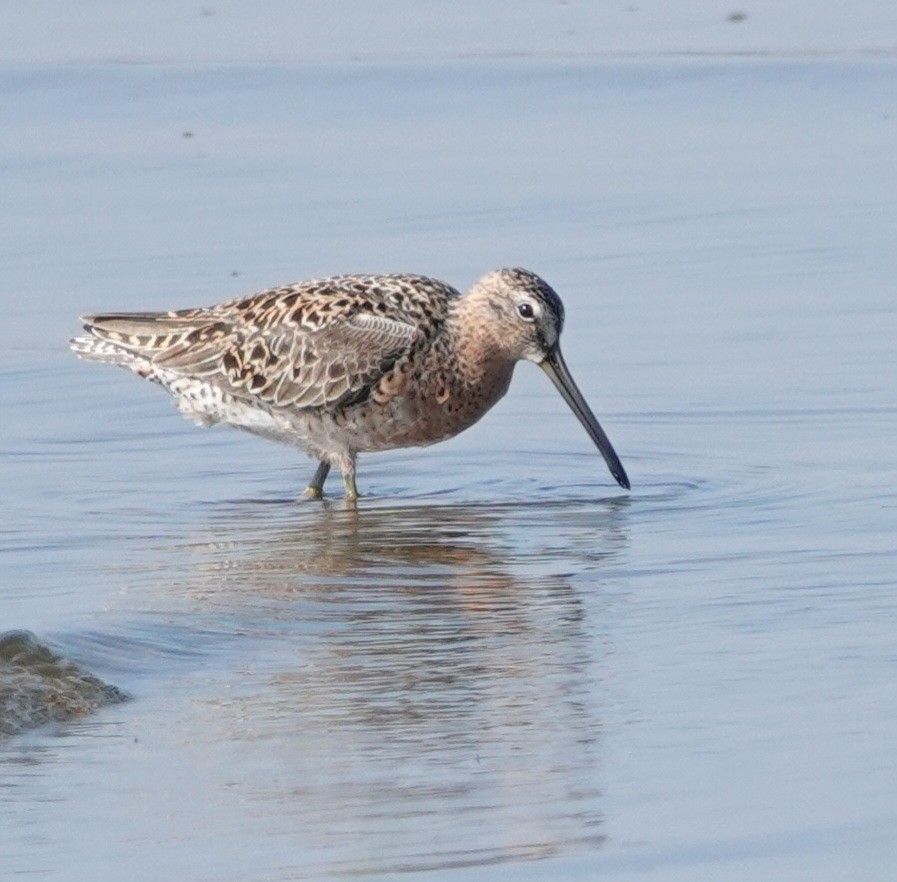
column 422, row 407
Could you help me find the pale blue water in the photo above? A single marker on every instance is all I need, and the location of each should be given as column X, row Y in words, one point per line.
column 499, row 656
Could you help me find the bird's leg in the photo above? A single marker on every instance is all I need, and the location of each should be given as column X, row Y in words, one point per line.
column 315, row 490
column 347, row 464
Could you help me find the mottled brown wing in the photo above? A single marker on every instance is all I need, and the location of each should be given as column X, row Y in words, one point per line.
column 148, row 336
column 287, row 365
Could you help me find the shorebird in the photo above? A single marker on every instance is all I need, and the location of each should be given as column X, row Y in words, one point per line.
column 350, row 364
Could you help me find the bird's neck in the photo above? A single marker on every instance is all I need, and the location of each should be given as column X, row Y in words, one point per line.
column 482, row 352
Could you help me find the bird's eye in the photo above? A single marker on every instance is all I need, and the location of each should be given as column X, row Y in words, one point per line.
column 525, row 310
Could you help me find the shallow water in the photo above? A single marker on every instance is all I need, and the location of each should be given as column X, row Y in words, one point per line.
column 499, row 656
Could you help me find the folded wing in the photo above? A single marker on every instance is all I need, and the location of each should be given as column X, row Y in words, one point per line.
column 280, row 358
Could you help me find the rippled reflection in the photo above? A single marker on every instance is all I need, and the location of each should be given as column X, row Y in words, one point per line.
column 435, row 693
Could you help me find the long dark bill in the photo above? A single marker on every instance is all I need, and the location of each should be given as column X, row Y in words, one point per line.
column 556, row 368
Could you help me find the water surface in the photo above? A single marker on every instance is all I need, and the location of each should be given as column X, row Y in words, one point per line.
column 499, row 656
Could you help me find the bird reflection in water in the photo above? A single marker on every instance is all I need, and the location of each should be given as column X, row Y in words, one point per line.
column 434, row 692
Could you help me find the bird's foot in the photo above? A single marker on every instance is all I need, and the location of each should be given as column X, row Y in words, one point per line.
column 352, row 493
column 315, row 490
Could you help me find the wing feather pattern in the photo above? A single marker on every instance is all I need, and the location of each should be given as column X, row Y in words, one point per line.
column 297, row 347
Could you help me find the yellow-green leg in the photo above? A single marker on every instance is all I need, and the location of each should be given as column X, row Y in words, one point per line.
column 315, row 490
column 347, row 464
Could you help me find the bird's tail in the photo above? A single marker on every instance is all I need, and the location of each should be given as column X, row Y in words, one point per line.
column 109, row 339
column 127, row 339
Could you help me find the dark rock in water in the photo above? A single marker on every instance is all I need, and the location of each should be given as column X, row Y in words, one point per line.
column 37, row 685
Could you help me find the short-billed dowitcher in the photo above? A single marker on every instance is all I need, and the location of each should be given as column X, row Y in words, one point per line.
column 350, row 364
